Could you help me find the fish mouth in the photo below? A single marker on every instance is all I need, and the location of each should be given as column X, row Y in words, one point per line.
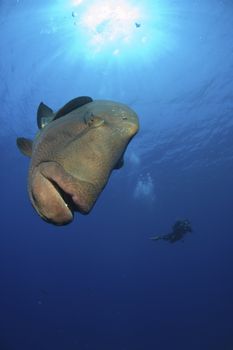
column 52, row 203
column 56, row 195
column 66, row 197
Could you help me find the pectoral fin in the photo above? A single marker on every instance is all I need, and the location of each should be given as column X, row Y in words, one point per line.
column 25, row 146
column 119, row 164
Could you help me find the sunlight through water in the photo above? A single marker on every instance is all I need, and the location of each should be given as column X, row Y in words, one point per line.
column 108, row 28
column 107, row 23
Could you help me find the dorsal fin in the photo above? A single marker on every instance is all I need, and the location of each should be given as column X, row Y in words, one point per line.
column 44, row 115
column 25, row 146
column 73, row 104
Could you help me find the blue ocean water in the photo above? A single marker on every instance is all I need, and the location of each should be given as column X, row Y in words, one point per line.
column 100, row 282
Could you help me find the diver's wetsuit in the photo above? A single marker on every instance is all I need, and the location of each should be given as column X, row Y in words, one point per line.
column 179, row 229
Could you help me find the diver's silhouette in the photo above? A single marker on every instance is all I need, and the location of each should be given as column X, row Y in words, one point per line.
column 179, row 229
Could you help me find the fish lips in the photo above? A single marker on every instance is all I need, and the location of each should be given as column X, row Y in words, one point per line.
column 56, row 195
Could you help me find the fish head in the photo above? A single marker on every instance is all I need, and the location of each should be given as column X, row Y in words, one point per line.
column 73, row 156
column 117, row 116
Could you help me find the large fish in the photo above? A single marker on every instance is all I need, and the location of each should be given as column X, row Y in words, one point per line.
column 74, row 153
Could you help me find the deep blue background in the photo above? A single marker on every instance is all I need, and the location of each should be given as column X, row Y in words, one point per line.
column 101, row 283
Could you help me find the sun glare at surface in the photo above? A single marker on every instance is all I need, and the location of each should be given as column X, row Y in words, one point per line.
column 99, row 29
column 105, row 22
column 109, row 25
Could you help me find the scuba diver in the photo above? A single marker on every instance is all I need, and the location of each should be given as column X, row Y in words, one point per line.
column 179, row 230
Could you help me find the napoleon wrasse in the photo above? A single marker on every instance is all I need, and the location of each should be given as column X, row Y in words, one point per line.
column 74, row 153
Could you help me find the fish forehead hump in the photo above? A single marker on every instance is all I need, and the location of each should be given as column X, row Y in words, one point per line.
column 114, row 111
column 110, row 111
column 75, row 123
column 84, row 150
